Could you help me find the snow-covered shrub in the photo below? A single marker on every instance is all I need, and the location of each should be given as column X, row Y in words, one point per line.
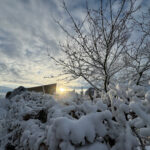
column 118, row 120
column 24, row 124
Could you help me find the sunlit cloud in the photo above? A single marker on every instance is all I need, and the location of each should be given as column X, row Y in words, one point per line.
column 28, row 33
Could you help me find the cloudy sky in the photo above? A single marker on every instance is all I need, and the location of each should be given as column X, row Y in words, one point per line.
column 27, row 32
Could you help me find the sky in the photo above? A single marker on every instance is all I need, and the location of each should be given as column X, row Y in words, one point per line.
column 28, row 33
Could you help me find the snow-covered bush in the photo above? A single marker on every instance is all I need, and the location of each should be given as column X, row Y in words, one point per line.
column 119, row 120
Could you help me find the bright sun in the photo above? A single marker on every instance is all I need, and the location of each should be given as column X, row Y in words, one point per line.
column 62, row 90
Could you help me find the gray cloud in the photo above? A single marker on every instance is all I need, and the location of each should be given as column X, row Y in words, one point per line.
column 27, row 31
column 9, row 45
column 2, row 67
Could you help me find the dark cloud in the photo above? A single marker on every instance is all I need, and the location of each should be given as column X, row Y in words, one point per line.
column 9, row 70
column 9, row 49
column 25, row 1
column 9, row 45
column 28, row 53
column 27, row 32
column 15, row 72
column 3, row 67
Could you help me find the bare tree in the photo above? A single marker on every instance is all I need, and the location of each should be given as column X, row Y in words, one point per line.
column 95, row 47
column 138, row 57
column 144, row 23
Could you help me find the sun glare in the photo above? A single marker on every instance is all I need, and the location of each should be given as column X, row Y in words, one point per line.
column 62, row 90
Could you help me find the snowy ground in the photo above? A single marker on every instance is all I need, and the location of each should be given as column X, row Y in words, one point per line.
column 119, row 120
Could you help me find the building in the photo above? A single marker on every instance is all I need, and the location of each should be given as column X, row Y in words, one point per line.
column 46, row 89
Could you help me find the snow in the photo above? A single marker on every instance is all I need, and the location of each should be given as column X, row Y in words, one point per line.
column 95, row 146
column 77, row 130
column 147, row 96
column 33, row 121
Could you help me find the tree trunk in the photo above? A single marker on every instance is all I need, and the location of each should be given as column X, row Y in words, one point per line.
column 106, row 83
column 138, row 81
